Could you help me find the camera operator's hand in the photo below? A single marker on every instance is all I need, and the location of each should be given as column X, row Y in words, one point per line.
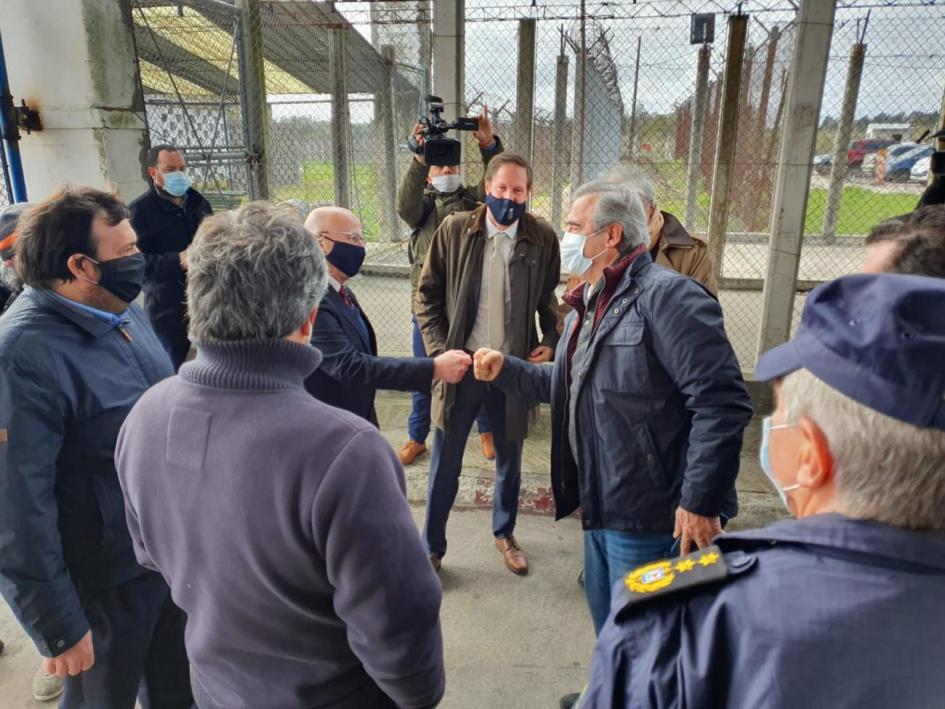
column 484, row 134
column 417, row 129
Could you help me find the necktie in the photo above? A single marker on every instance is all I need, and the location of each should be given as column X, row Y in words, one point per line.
column 346, row 296
column 497, row 278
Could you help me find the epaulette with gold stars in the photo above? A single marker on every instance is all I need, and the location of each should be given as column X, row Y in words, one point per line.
column 669, row 576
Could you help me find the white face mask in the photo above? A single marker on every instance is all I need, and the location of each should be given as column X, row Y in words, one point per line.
column 446, row 183
column 572, row 252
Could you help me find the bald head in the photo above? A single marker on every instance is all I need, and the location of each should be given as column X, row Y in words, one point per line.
column 332, row 220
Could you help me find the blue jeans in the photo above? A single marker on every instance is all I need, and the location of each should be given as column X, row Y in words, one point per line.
column 611, row 555
column 446, row 463
column 418, row 425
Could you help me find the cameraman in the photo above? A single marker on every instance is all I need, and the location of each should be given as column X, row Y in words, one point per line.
column 427, row 195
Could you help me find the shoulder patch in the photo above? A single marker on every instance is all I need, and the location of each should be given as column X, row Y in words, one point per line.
column 669, row 576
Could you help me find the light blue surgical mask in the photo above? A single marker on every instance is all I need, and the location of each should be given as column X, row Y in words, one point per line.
column 764, row 456
column 572, row 252
column 176, row 183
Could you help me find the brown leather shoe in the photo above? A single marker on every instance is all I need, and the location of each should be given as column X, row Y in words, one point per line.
column 513, row 556
column 410, row 452
column 436, row 562
column 488, row 446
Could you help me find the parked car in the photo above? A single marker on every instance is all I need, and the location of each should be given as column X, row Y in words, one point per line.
column 920, row 171
column 822, row 163
column 859, row 149
column 898, row 169
column 870, row 161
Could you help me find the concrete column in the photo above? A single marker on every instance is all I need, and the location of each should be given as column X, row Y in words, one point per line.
column 85, row 84
column 728, row 135
column 253, row 97
column 449, row 55
column 559, row 162
column 695, row 135
column 385, row 159
column 804, row 95
column 340, row 117
column 525, row 88
column 631, row 143
column 838, row 167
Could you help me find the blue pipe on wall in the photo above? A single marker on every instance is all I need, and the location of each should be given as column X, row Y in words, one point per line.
column 10, row 132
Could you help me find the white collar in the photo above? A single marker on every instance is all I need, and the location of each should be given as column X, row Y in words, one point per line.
column 491, row 229
column 334, row 283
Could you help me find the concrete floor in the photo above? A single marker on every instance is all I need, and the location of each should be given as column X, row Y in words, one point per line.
column 509, row 641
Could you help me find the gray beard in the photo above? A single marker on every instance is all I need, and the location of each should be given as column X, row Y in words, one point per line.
column 11, row 279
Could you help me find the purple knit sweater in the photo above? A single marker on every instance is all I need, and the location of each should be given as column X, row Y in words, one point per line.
column 282, row 528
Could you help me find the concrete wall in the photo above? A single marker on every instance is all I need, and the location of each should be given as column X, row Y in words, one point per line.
column 74, row 61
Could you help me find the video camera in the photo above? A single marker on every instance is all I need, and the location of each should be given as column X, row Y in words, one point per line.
column 935, row 192
column 437, row 148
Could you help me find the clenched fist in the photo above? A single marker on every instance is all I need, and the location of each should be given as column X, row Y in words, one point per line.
column 487, row 364
column 451, row 366
column 77, row 659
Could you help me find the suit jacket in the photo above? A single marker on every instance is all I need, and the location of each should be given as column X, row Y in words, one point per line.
column 351, row 372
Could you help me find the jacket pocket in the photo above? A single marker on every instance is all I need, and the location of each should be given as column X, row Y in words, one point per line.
column 653, row 459
column 622, row 361
column 111, row 506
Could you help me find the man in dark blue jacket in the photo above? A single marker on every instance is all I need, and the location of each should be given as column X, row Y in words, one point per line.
column 75, row 355
column 842, row 606
column 351, row 372
column 166, row 218
column 647, row 401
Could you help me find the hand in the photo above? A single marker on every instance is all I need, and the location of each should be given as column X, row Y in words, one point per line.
column 184, row 263
column 487, row 364
column 78, row 658
column 484, row 134
column 417, row 127
column 451, row 366
column 540, row 354
column 695, row 528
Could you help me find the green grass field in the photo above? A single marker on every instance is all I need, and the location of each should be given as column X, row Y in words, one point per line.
column 860, row 209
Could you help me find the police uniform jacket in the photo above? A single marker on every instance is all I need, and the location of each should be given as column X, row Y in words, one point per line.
column 825, row 611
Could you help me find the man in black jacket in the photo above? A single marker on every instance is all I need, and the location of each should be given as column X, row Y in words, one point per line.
column 166, row 218
column 351, row 372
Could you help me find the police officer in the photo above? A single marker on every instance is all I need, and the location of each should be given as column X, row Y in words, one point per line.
column 841, row 607
column 427, row 195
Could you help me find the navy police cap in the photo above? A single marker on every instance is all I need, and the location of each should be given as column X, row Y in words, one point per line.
column 879, row 339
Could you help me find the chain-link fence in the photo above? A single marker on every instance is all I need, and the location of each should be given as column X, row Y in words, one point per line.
column 613, row 82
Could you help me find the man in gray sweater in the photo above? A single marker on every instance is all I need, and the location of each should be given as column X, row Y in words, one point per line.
column 279, row 522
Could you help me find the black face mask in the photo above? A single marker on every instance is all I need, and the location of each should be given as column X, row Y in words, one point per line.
column 122, row 277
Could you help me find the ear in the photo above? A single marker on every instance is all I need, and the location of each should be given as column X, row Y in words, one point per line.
column 816, row 467
column 152, row 171
column 81, row 267
column 326, row 244
column 614, row 236
column 309, row 325
column 488, row 185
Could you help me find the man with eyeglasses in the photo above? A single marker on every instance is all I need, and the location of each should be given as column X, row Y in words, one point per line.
column 351, row 372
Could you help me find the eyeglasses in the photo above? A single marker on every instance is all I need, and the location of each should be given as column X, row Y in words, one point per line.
column 355, row 236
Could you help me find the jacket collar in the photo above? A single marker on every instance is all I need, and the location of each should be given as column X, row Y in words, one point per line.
column 164, row 203
column 527, row 228
column 852, row 536
column 673, row 235
column 264, row 365
column 94, row 326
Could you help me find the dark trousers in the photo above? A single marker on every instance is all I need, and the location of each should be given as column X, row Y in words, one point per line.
column 446, row 463
column 418, row 425
column 138, row 640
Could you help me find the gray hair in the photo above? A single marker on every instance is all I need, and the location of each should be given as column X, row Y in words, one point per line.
column 635, row 179
column 885, row 469
column 253, row 274
column 617, row 204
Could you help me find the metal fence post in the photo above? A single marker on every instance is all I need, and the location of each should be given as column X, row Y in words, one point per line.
column 386, row 178
column 805, row 93
column 340, row 117
column 631, row 151
column 695, row 136
column 525, row 88
column 838, row 168
column 253, row 97
column 728, row 134
column 558, row 161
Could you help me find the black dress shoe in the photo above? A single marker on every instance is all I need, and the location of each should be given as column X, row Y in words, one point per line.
column 569, row 701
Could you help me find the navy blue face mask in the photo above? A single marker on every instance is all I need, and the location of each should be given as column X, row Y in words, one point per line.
column 347, row 258
column 505, row 211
